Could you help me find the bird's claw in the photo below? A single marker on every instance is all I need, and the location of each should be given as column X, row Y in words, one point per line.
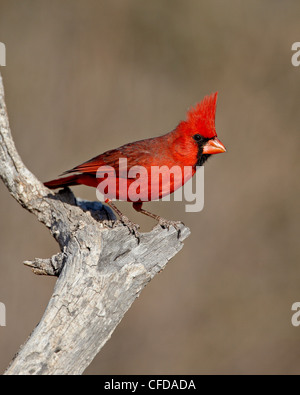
column 133, row 228
column 166, row 224
column 108, row 223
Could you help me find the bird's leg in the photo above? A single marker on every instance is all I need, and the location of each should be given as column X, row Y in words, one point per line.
column 164, row 223
column 125, row 220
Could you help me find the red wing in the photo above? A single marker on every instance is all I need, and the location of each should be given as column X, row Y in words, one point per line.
column 135, row 153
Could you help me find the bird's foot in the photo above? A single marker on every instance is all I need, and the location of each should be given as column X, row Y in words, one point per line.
column 133, row 228
column 166, row 224
column 109, row 223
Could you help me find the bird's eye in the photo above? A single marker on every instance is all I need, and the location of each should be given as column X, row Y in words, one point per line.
column 197, row 137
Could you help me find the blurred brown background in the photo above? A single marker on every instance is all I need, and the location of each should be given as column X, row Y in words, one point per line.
column 84, row 76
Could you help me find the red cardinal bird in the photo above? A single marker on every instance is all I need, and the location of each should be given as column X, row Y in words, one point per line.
column 189, row 144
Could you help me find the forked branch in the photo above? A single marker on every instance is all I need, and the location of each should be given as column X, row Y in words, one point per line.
column 101, row 270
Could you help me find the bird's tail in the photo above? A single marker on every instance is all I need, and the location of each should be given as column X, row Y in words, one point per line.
column 63, row 182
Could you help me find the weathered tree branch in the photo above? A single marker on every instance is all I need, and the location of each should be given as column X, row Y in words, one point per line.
column 100, row 270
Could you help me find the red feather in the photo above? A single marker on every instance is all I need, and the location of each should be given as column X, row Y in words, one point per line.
column 201, row 118
column 177, row 148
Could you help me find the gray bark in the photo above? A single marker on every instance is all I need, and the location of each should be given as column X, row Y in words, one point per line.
column 101, row 268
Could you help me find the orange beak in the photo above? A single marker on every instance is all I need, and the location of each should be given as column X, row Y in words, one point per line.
column 213, row 146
